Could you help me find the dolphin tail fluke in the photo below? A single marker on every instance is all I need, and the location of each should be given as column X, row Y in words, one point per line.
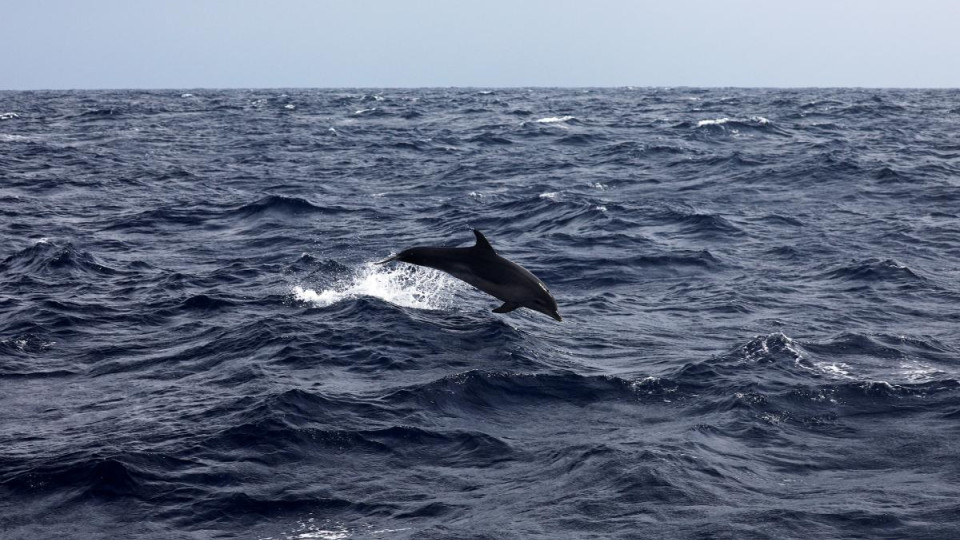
column 507, row 307
column 388, row 259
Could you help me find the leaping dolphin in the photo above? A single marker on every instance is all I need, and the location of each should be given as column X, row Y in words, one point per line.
column 481, row 267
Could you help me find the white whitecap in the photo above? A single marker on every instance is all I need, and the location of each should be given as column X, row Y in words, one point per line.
column 401, row 285
column 915, row 371
column 290, row 106
column 840, row 370
column 9, row 116
column 554, row 119
column 552, row 195
column 759, row 120
column 715, row 122
column 186, row 95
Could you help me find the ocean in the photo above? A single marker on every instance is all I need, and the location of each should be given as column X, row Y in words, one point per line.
column 760, row 294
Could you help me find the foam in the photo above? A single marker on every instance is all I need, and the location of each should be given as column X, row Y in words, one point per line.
column 8, row 115
column 916, row 371
column 313, row 529
column 834, row 369
column 758, row 120
column 716, row 122
column 402, row 285
column 554, row 119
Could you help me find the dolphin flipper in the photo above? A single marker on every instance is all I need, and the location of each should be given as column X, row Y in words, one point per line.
column 388, row 259
column 507, row 307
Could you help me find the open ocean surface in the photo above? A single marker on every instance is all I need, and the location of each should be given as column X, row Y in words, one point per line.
column 761, row 294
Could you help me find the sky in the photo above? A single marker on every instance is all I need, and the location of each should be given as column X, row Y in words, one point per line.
column 67, row 44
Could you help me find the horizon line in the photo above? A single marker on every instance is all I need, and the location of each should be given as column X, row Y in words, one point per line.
column 472, row 87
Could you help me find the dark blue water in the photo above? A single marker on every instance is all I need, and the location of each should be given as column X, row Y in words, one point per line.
column 760, row 292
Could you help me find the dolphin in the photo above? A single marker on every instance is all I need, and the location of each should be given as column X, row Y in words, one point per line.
column 481, row 267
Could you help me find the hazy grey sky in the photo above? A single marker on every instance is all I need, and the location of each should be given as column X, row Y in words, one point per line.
column 493, row 43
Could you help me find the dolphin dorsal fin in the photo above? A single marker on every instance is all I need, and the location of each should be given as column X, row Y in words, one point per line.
column 482, row 242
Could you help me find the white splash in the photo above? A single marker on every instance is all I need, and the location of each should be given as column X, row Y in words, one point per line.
column 600, row 208
column 758, row 120
column 915, row 371
column 9, row 116
column 717, row 122
column 364, row 111
column 323, row 534
column 313, row 529
column 554, row 119
column 401, row 285
column 839, row 370
column 186, row 95
column 550, row 195
column 290, row 106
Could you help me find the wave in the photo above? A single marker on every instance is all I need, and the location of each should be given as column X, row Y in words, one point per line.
column 580, row 139
column 753, row 121
column 734, row 125
column 487, row 138
column 874, row 271
column 45, row 257
column 372, row 112
column 887, row 174
column 491, row 391
column 555, row 119
column 278, row 204
column 778, row 363
column 204, row 302
column 693, row 223
column 149, row 220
